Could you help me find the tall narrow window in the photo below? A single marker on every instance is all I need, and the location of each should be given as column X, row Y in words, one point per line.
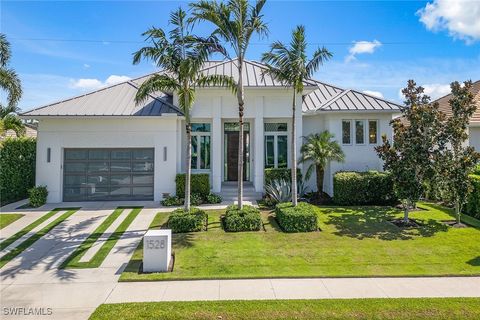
column 372, row 131
column 269, row 151
column 276, row 145
column 201, row 146
column 346, row 132
column 359, row 131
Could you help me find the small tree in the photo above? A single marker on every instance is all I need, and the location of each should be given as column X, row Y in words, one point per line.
column 411, row 157
column 457, row 160
column 319, row 149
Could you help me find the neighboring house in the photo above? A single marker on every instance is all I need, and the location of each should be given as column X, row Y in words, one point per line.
column 30, row 131
column 101, row 146
column 474, row 126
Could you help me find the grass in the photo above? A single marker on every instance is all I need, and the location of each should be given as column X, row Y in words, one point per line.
column 6, row 219
column 401, row 309
column 354, row 242
column 28, row 242
column 73, row 261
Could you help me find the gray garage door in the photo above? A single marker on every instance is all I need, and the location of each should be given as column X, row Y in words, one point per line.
column 108, row 174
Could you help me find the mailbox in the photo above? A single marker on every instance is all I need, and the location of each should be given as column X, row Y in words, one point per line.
column 157, row 250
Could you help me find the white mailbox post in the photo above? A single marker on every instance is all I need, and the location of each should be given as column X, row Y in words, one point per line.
column 157, row 250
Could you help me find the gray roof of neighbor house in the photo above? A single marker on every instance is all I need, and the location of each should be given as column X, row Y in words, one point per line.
column 119, row 99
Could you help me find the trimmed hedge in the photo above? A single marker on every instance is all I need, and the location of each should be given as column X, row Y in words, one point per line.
column 247, row 219
column 183, row 221
column 200, row 184
column 37, row 196
column 280, row 174
column 363, row 188
column 472, row 207
column 17, row 168
column 302, row 218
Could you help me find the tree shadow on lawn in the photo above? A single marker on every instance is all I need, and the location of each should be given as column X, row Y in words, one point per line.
column 474, row 262
column 183, row 240
column 373, row 222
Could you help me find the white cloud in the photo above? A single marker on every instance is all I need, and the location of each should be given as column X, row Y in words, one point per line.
column 360, row 47
column 86, row 66
column 377, row 94
column 92, row 84
column 460, row 17
column 434, row 90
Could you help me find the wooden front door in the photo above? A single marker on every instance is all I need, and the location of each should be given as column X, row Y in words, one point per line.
column 232, row 155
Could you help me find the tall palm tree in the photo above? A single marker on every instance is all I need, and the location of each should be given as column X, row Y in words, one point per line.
column 181, row 57
column 10, row 83
column 290, row 65
column 319, row 149
column 235, row 22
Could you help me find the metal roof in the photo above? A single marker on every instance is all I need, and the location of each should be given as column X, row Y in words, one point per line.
column 119, row 99
column 115, row 100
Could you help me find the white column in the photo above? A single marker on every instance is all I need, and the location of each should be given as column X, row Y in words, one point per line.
column 216, row 144
column 258, row 155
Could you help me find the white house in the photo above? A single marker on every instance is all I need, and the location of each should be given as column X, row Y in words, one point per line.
column 102, row 146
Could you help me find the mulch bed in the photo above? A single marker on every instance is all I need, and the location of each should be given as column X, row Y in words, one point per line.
column 454, row 224
column 412, row 223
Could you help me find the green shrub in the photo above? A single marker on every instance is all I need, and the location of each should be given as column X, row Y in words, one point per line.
column 363, row 188
column 213, row 198
column 476, row 171
column 172, row 201
column 302, row 218
column 200, row 184
column 196, row 199
column 37, row 196
column 280, row 174
column 183, row 221
column 247, row 219
column 17, row 168
column 472, row 207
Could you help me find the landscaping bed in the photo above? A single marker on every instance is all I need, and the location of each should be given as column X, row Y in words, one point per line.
column 354, row 242
column 182, row 221
column 247, row 219
column 358, row 309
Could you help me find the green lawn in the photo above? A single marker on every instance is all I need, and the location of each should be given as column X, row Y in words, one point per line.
column 73, row 261
column 6, row 219
column 358, row 309
column 28, row 242
column 354, row 241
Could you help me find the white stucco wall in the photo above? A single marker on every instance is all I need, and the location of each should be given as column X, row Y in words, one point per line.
column 474, row 137
column 107, row 132
column 357, row 157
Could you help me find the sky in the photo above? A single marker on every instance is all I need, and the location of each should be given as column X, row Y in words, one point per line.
column 63, row 49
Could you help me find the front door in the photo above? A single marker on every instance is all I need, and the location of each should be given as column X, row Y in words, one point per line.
column 232, row 155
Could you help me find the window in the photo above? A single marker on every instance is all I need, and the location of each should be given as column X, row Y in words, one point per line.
column 359, row 131
column 372, row 131
column 276, row 146
column 346, row 132
column 201, row 146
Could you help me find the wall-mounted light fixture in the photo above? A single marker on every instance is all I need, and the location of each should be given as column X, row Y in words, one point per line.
column 49, row 154
column 164, row 153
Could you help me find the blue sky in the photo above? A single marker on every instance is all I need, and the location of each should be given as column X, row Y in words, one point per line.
column 61, row 49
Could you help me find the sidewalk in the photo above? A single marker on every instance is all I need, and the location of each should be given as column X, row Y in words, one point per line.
column 315, row 288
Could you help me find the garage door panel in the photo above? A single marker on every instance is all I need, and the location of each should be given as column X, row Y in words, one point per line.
column 108, row 174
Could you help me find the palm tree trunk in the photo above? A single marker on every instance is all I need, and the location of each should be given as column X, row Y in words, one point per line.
column 188, row 164
column 294, row 151
column 241, row 103
column 320, row 174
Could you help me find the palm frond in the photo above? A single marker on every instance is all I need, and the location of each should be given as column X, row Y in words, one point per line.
column 217, row 81
column 319, row 57
column 10, row 82
column 13, row 122
column 155, row 84
column 5, row 52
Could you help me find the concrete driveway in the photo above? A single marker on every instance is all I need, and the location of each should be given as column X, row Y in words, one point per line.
column 32, row 282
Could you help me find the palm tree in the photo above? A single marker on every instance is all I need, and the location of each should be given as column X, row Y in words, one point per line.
column 235, row 22
column 181, row 56
column 10, row 83
column 319, row 149
column 290, row 65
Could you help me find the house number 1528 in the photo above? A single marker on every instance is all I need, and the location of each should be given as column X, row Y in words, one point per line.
column 155, row 244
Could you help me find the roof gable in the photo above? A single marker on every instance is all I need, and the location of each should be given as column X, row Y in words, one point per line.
column 444, row 104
